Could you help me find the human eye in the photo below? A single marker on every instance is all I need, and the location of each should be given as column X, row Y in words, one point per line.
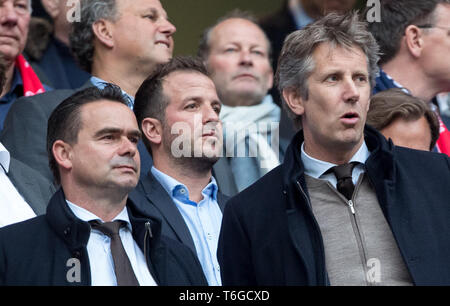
column 230, row 49
column 332, row 78
column 134, row 139
column 191, row 106
column 217, row 108
column 152, row 17
column 108, row 137
column 361, row 78
column 258, row 52
column 21, row 6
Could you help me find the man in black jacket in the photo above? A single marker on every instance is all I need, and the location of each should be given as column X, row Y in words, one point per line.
column 92, row 233
column 346, row 207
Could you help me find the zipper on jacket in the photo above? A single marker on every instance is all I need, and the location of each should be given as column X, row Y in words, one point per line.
column 352, row 208
column 321, row 245
column 148, row 233
column 358, row 234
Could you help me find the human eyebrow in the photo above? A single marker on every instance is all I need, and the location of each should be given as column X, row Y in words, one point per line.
column 108, row 130
column 135, row 133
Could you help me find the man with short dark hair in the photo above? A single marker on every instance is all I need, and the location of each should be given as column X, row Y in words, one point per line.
column 177, row 109
column 414, row 38
column 118, row 42
column 90, row 222
column 346, row 207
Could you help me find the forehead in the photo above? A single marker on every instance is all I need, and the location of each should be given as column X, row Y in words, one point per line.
column 104, row 113
column 237, row 30
column 185, row 83
column 442, row 13
column 327, row 57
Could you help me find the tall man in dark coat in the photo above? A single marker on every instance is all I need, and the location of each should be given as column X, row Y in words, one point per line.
column 346, row 207
column 92, row 144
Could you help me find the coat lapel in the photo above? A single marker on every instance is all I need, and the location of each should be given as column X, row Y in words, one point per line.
column 27, row 187
column 158, row 196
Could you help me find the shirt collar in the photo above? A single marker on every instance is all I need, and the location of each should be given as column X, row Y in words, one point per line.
column 300, row 17
column 16, row 87
column 316, row 168
column 396, row 84
column 5, row 158
column 85, row 215
column 172, row 186
column 99, row 83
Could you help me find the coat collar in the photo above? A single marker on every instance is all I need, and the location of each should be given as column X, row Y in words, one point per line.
column 73, row 231
column 76, row 232
column 381, row 154
column 157, row 195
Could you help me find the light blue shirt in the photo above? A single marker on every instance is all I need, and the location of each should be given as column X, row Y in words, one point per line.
column 317, row 168
column 203, row 220
column 99, row 251
column 99, row 83
column 300, row 17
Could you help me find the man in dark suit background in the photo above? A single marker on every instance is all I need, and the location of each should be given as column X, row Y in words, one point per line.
column 178, row 112
column 48, row 45
column 116, row 44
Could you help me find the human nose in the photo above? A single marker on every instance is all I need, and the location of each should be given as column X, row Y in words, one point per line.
column 167, row 27
column 210, row 115
column 351, row 91
column 8, row 14
column 128, row 147
column 245, row 58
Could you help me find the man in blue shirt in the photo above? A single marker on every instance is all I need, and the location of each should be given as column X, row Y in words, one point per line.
column 178, row 113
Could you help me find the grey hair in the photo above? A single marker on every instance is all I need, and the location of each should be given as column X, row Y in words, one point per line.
column 204, row 46
column 82, row 35
column 296, row 62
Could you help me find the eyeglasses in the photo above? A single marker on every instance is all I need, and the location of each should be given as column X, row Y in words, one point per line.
column 430, row 26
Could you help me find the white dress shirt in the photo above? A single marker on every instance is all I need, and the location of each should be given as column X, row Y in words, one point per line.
column 13, row 208
column 99, row 251
column 317, row 168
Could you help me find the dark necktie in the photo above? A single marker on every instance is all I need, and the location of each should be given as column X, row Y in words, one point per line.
column 122, row 266
column 343, row 174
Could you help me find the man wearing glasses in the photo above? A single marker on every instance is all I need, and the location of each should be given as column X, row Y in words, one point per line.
column 414, row 38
